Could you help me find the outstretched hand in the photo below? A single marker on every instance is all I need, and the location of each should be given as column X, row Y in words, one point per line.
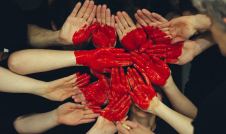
column 74, row 114
column 64, row 88
column 74, row 30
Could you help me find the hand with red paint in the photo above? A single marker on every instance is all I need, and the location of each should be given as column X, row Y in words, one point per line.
column 130, row 36
column 117, row 109
column 95, row 94
column 104, row 36
column 119, row 84
column 151, row 68
column 151, row 21
column 103, row 59
column 170, row 53
column 119, row 99
column 141, row 93
column 64, row 88
column 76, row 29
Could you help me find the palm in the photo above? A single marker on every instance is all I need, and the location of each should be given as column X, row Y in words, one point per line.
column 61, row 89
column 188, row 52
column 182, row 27
column 69, row 116
column 72, row 25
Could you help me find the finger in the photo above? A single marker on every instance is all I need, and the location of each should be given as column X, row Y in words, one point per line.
column 119, row 24
column 122, row 76
column 92, row 15
column 138, row 76
column 122, row 129
column 140, row 20
column 122, row 20
column 136, row 82
column 128, row 19
column 117, row 75
column 112, row 21
column 148, row 14
column 130, row 78
column 83, row 8
column 91, row 116
column 83, row 121
column 108, row 17
column 113, row 77
column 88, row 10
column 143, row 17
column 76, row 9
column 159, row 17
column 98, row 13
column 119, row 32
column 103, row 14
column 131, row 124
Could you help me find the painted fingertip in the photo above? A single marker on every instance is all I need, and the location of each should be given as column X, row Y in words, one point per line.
column 125, row 126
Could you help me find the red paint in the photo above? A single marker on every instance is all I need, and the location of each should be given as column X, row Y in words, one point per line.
column 96, row 94
column 134, row 39
column 152, row 67
column 81, row 36
column 117, row 109
column 104, row 37
column 141, row 93
column 103, row 59
column 82, row 79
column 157, row 35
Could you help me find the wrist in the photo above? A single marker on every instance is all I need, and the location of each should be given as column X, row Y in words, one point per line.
column 41, row 90
column 169, row 83
column 54, row 118
column 154, row 105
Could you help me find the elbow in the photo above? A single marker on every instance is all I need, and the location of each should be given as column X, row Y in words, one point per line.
column 17, row 126
column 15, row 64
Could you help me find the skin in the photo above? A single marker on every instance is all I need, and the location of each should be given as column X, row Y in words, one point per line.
column 124, row 24
column 129, row 127
column 57, row 90
column 82, row 15
column 67, row 114
column 103, row 126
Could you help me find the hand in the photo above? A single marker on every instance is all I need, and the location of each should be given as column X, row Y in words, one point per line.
column 151, row 22
column 64, row 88
column 74, row 114
column 103, row 59
column 95, row 94
column 103, row 126
column 183, row 27
column 152, row 68
column 119, row 84
column 75, row 29
column 105, row 35
column 190, row 50
column 130, row 36
column 141, row 93
column 129, row 127
column 169, row 52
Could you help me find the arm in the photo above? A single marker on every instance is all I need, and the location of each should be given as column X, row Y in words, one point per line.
column 40, row 37
column 179, row 122
column 57, row 90
column 179, row 102
column 21, row 84
column 67, row 114
column 40, row 60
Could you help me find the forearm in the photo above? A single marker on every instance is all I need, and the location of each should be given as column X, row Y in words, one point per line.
column 13, row 83
column 37, row 123
column 40, row 37
column 204, row 42
column 179, row 122
column 177, row 99
column 40, row 60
